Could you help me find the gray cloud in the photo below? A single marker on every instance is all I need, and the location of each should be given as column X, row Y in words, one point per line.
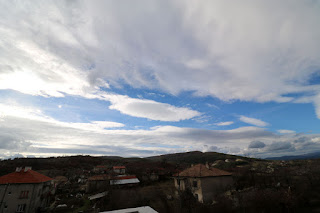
column 12, row 141
column 256, row 145
column 276, row 146
column 302, row 140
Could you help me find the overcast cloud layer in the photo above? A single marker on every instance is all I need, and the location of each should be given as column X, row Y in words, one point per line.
column 247, row 51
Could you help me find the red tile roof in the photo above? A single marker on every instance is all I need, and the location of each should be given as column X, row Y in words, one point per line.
column 119, row 167
column 201, row 170
column 29, row 176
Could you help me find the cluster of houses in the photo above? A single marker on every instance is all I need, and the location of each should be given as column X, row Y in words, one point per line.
column 117, row 176
column 26, row 190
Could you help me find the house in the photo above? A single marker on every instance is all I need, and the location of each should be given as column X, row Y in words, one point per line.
column 143, row 209
column 97, row 183
column 119, row 170
column 204, row 182
column 24, row 190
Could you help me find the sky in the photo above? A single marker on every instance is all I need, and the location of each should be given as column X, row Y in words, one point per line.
column 146, row 77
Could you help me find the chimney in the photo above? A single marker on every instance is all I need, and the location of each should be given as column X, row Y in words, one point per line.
column 18, row 169
column 27, row 168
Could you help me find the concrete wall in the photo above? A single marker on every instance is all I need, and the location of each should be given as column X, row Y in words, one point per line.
column 180, row 183
column 207, row 187
column 196, row 190
column 37, row 196
column 187, row 183
column 212, row 186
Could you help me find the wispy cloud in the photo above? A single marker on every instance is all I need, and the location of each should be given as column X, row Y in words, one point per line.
column 153, row 110
column 253, row 121
column 226, row 123
column 286, row 131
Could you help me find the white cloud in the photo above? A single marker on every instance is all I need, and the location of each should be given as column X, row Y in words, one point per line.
column 150, row 109
column 286, row 131
column 232, row 51
column 253, row 121
column 226, row 123
column 30, row 132
column 317, row 105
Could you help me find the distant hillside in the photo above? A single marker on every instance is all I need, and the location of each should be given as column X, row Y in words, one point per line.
column 297, row 157
column 72, row 163
column 195, row 157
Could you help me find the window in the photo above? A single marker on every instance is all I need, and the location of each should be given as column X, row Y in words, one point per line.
column 21, row 208
column 196, row 196
column 195, row 184
column 24, row 194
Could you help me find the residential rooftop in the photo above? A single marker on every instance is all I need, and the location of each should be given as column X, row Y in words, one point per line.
column 201, row 170
column 26, row 175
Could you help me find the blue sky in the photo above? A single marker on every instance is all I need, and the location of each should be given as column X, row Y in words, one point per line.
column 157, row 77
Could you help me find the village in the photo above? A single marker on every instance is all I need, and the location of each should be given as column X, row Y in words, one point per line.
column 228, row 184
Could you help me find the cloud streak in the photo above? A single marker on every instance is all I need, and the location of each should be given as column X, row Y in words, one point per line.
column 149, row 109
column 226, row 123
column 253, row 121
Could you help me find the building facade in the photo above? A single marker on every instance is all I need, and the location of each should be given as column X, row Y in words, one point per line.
column 24, row 191
column 203, row 182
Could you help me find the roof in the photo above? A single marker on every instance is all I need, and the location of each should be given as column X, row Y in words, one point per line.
column 143, row 209
column 23, row 176
column 201, row 170
column 99, row 177
column 99, row 195
column 124, row 180
column 119, row 167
